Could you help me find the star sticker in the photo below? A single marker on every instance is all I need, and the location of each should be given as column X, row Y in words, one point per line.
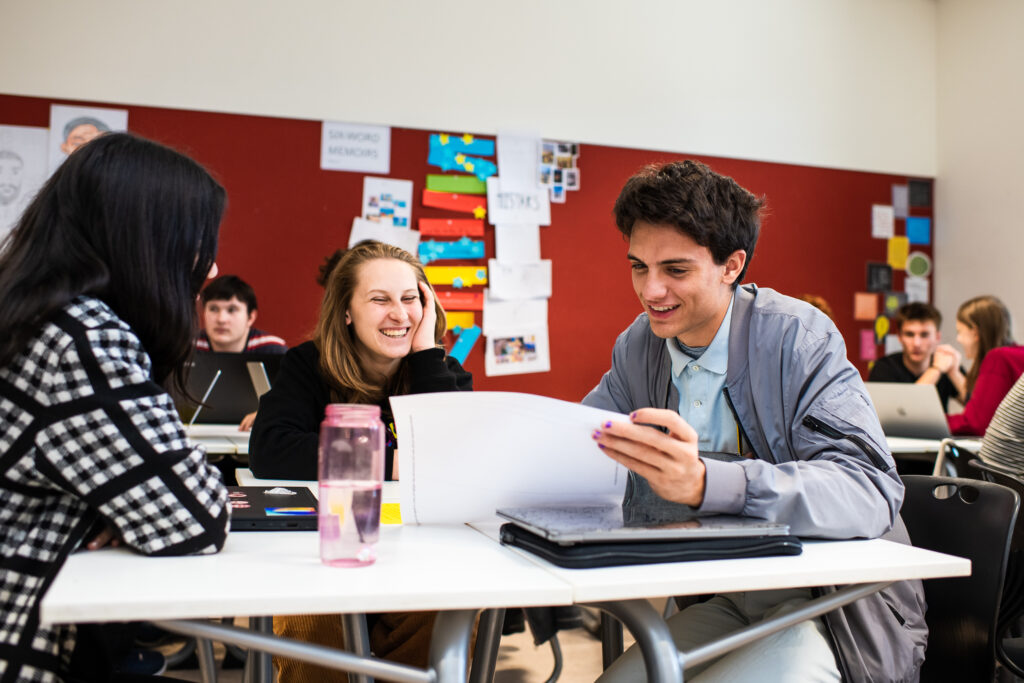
column 467, row 138
column 479, row 212
column 460, row 159
column 468, row 166
column 444, row 138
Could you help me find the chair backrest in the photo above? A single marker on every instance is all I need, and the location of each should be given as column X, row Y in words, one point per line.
column 972, row 519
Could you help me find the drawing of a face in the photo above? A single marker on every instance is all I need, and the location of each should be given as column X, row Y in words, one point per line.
column 78, row 136
column 11, row 169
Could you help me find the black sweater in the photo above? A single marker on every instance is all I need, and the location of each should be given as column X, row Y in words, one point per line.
column 285, row 436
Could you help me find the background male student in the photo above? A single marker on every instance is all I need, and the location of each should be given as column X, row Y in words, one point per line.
column 229, row 311
column 922, row 360
column 750, row 395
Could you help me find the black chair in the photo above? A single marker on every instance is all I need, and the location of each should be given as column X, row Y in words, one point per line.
column 1009, row 636
column 972, row 519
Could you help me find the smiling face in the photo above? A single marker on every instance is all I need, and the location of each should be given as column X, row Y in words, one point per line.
column 684, row 292
column 10, row 179
column 227, row 323
column 78, row 136
column 384, row 311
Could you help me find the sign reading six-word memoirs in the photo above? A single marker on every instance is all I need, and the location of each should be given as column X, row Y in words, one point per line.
column 355, row 147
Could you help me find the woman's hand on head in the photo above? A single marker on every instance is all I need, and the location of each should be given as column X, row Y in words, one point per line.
column 423, row 336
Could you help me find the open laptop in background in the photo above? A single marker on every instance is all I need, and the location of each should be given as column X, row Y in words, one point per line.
column 611, row 523
column 235, row 393
column 909, row 410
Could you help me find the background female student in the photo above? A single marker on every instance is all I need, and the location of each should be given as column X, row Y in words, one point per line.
column 98, row 283
column 983, row 331
column 378, row 335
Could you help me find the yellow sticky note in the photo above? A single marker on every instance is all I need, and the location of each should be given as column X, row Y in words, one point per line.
column 463, row 319
column 390, row 513
column 865, row 306
column 459, row 276
column 899, row 248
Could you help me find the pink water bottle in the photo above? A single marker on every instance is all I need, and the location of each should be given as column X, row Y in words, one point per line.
column 351, row 475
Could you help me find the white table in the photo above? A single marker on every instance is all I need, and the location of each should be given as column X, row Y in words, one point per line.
column 219, row 439
column 862, row 566
column 448, row 568
column 934, row 448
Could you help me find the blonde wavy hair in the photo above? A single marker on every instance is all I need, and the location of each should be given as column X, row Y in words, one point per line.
column 337, row 342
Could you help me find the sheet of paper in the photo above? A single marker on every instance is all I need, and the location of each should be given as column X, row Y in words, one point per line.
column 387, row 200
column 456, row 276
column 517, row 351
column 879, row 277
column 892, row 344
column 520, row 280
column 513, row 314
column 916, row 289
column 451, row 227
column 868, row 349
column 899, row 247
column 464, row 343
column 920, row 192
column 516, row 243
column 464, row 454
column 865, row 306
column 517, row 160
column 919, row 230
column 461, row 319
column 881, row 329
column 461, row 184
column 524, row 207
column 900, row 200
column 23, row 169
column 882, row 221
column 71, row 127
column 404, row 238
column 355, row 147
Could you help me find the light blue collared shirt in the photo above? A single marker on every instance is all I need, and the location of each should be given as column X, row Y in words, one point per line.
column 700, row 383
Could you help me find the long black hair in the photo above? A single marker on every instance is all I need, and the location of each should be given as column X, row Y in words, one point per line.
column 125, row 220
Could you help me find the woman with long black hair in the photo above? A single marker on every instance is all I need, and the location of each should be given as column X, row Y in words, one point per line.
column 98, row 283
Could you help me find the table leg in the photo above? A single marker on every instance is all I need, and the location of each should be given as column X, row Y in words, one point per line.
column 449, row 645
column 207, row 664
column 259, row 666
column 357, row 640
column 611, row 639
column 661, row 658
column 488, row 641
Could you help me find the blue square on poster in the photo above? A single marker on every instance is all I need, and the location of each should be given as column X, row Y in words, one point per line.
column 919, row 230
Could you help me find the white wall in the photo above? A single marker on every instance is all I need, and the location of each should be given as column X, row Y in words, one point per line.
column 979, row 249
column 837, row 83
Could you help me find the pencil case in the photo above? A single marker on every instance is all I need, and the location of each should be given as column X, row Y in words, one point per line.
column 589, row 555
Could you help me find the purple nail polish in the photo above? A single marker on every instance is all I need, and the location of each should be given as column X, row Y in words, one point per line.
column 607, row 425
column 601, row 446
column 597, row 434
column 632, row 416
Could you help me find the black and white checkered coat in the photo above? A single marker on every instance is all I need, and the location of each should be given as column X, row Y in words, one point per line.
column 87, row 436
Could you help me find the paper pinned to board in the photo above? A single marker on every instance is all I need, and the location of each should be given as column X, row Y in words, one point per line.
column 517, row 160
column 403, row 238
column 516, row 243
column 882, row 221
column 510, row 450
column 520, row 280
column 513, row 314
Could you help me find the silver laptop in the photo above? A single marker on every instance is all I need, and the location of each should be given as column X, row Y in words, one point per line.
column 601, row 523
column 909, row 410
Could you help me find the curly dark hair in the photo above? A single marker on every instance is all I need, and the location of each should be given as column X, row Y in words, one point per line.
column 712, row 209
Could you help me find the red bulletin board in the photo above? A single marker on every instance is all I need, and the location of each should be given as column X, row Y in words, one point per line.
column 285, row 215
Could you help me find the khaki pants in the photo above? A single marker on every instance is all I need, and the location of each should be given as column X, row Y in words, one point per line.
column 402, row 637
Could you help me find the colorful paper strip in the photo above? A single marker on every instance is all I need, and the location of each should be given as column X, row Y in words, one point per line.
column 451, row 227
column 463, row 184
column 466, row 301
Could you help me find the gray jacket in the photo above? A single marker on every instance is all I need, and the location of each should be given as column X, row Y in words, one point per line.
column 819, row 460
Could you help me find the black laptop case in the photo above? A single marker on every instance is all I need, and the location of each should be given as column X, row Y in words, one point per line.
column 611, row 554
